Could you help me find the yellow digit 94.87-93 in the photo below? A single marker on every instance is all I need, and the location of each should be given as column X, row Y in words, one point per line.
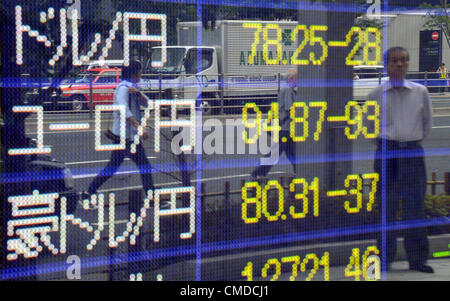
column 357, row 117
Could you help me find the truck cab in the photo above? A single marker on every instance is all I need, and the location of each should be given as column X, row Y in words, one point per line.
column 189, row 72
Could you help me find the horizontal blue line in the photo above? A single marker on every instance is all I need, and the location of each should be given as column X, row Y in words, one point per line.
column 232, row 163
column 303, row 83
column 291, row 5
column 271, row 240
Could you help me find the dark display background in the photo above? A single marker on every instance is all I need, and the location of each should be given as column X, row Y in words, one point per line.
column 224, row 246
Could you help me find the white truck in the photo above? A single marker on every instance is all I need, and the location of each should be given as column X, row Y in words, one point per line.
column 238, row 61
column 230, row 54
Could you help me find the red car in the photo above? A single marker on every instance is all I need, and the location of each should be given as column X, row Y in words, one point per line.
column 76, row 91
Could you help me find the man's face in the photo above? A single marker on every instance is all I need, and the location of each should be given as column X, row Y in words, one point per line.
column 135, row 78
column 398, row 64
column 292, row 79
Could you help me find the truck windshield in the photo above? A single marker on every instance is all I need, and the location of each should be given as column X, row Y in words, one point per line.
column 173, row 64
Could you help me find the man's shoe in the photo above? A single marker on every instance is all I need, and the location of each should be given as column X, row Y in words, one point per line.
column 422, row 268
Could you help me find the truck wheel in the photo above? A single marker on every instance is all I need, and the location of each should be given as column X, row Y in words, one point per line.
column 78, row 103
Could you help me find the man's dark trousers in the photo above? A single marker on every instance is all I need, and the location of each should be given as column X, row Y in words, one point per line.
column 135, row 265
column 288, row 147
column 405, row 181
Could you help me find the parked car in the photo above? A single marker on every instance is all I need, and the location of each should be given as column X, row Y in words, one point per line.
column 75, row 92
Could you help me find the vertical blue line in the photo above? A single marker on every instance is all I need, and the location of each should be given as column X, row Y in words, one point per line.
column 198, row 131
column 383, row 156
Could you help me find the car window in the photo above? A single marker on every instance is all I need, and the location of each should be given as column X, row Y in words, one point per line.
column 107, row 78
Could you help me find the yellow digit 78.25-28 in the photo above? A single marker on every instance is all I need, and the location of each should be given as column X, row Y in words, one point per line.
column 276, row 42
column 258, row 27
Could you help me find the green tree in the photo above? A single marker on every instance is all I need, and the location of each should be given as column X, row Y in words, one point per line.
column 438, row 18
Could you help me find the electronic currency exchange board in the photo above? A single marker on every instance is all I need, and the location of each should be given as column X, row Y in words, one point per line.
column 213, row 116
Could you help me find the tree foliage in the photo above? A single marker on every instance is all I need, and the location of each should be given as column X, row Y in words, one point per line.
column 438, row 18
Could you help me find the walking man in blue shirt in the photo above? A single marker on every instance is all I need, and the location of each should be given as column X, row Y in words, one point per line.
column 128, row 95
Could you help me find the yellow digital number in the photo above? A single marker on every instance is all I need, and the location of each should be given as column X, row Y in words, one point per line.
column 325, row 262
column 295, row 120
column 296, row 263
column 353, row 268
column 373, row 188
column 323, row 107
column 349, row 59
column 321, row 42
column 353, row 119
column 314, row 187
column 253, row 124
column 270, row 184
column 355, row 191
column 372, row 44
column 258, row 27
column 273, row 118
column 253, row 200
column 248, row 271
column 305, row 261
column 268, row 42
column 299, row 196
column 375, row 117
column 294, row 58
column 266, row 267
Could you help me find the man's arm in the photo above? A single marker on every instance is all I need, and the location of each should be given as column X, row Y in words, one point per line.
column 144, row 100
column 427, row 115
column 123, row 96
column 284, row 105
